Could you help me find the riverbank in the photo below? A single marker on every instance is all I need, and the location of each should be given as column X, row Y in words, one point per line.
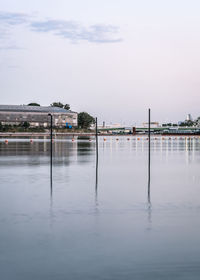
column 82, row 134
column 43, row 134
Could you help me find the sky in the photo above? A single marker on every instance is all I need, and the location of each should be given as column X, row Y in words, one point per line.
column 111, row 58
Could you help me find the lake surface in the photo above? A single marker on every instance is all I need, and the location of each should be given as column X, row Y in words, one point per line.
column 88, row 223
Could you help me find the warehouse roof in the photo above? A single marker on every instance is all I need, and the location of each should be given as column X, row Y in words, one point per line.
column 26, row 108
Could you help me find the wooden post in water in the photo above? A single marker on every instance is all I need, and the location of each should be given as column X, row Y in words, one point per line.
column 97, row 154
column 96, row 181
column 149, row 153
column 51, row 149
column 97, row 157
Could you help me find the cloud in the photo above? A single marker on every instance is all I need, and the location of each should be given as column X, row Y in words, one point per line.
column 71, row 30
column 10, row 47
column 13, row 18
column 7, row 23
column 75, row 32
column 53, row 25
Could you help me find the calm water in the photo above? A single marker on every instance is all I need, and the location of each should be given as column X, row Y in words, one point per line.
column 99, row 224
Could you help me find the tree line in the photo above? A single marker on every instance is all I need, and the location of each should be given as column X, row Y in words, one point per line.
column 54, row 104
column 186, row 123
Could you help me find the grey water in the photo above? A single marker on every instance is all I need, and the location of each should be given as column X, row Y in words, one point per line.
column 81, row 222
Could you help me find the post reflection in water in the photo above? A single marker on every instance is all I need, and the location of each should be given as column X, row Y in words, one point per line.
column 96, row 183
column 149, row 168
column 97, row 158
column 149, row 185
column 149, row 177
column 51, row 192
column 51, row 177
column 149, row 153
column 149, row 206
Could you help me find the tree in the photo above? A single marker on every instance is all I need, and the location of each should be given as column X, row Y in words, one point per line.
column 182, row 124
column 57, row 104
column 189, row 123
column 85, row 120
column 26, row 124
column 60, row 105
column 197, row 122
column 67, row 106
column 33, row 104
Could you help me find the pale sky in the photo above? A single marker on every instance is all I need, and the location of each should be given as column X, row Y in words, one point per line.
column 111, row 58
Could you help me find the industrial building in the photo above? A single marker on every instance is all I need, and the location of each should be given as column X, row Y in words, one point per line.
column 37, row 116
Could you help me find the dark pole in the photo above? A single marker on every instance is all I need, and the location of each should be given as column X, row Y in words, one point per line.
column 149, row 153
column 96, row 185
column 96, row 182
column 96, row 140
column 51, row 138
column 51, row 149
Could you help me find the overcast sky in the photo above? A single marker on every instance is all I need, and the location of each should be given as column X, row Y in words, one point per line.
column 111, row 58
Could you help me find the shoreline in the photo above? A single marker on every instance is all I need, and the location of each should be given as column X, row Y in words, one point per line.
column 44, row 134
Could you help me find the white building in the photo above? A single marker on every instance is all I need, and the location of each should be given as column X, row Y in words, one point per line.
column 153, row 124
column 189, row 117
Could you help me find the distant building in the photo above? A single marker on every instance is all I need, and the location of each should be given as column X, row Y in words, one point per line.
column 37, row 116
column 153, row 124
column 189, row 117
column 113, row 125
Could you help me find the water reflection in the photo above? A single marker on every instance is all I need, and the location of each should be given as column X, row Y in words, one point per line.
column 84, row 151
column 37, row 153
column 149, row 212
column 96, row 183
column 149, row 170
column 97, row 161
column 149, row 207
column 78, row 230
column 51, row 177
column 51, row 198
